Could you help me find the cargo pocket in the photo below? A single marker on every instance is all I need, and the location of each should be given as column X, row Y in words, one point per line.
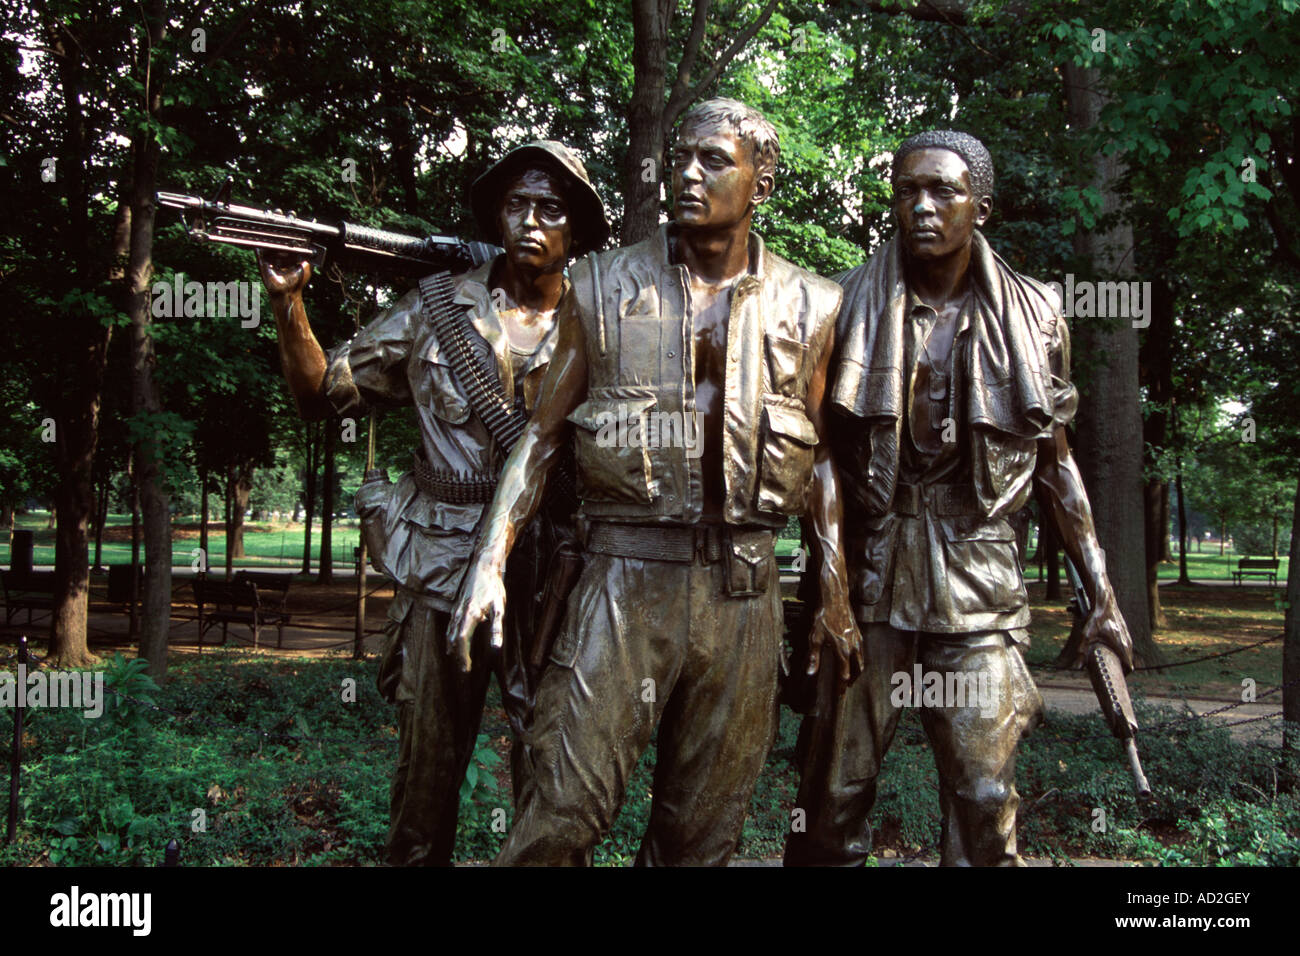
column 787, row 460
column 983, row 565
column 612, row 456
column 372, row 502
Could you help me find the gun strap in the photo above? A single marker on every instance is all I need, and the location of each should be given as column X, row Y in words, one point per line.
column 485, row 393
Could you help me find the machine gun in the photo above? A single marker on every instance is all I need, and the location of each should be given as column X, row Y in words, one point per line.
column 359, row 248
column 1107, row 675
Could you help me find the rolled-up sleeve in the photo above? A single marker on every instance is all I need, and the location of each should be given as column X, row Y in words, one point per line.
column 370, row 369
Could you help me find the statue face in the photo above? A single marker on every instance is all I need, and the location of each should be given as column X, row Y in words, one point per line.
column 535, row 226
column 934, row 206
column 715, row 184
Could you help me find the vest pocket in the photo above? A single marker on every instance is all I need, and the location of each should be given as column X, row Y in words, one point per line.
column 612, row 455
column 785, row 468
column 785, row 360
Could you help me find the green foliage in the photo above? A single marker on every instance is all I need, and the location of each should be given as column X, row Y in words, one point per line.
column 131, row 693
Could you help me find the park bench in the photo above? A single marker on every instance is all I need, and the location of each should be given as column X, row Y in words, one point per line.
column 1257, row 567
column 273, row 596
column 250, row 599
column 33, row 590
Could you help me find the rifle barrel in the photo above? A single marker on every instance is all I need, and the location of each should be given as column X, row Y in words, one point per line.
column 360, row 246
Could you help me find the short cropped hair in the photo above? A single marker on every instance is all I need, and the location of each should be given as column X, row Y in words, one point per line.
column 970, row 149
column 746, row 122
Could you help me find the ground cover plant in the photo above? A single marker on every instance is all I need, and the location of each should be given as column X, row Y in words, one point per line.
column 258, row 759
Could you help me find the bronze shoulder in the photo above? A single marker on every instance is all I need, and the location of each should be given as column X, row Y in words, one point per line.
column 824, row 295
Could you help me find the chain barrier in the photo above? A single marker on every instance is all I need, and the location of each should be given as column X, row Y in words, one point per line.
column 1161, row 667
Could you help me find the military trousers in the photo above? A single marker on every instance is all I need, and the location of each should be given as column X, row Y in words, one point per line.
column 843, row 745
column 649, row 643
column 439, row 711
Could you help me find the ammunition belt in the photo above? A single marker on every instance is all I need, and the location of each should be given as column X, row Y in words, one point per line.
column 437, row 296
column 453, row 487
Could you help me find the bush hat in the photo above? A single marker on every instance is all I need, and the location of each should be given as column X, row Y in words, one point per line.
column 586, row 211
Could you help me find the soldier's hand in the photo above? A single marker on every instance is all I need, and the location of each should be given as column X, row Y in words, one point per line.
column 283, row 274
column 1106, row 626
column 834, row 625
column 482, row 598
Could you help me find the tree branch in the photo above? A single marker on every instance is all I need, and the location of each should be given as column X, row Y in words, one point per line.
column 699, row 22
column 673, row 110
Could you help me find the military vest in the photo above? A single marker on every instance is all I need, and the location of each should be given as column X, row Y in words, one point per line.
column 637, row 442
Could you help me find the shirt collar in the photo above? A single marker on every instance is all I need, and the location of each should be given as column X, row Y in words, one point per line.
column 473, row 292
column 757, row 251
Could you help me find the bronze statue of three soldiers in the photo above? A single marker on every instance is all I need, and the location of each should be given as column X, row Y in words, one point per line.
column 707, row 390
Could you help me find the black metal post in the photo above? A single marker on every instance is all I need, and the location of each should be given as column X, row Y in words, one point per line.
column 16, row 757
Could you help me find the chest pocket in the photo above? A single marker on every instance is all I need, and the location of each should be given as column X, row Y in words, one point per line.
column 438, row 388
column 785, row 360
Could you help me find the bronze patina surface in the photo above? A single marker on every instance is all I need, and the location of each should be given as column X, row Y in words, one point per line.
column 720, row 351
column 538, row 202
column 953, row 383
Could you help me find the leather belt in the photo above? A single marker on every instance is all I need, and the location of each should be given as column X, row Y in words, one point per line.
column 657, row 542
column 453, row 487
column 947, row 501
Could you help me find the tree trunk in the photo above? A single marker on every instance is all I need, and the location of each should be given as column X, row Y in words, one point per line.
column 1109, row 425
column 155, row 499
column 133, row 625
column 1183, row 577
column 326, row 575
column 203, row 515
column 1155, row 372
column 1223, row 536
column 649, row 118
column 1154, row 494
column 241, row 486
column 229, row 521
column 1291, row 639
column 1166, row 557
column 101, row 516
column 645, row 119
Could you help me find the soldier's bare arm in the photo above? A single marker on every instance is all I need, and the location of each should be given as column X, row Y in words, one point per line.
column 1059, row 480
column 301, row 357
column 826, row 515
column 522, row 484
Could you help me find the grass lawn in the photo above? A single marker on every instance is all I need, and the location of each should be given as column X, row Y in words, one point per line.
column 266, row 544
column 279, row 544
